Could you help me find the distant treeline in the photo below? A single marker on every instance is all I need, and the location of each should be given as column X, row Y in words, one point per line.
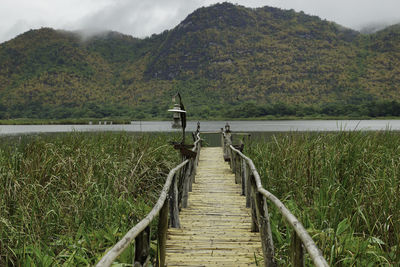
column 213, row 111
column 89, row 110
column 367, row 109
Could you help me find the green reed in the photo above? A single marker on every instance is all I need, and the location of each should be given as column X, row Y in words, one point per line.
column 344, row 187
column 67, row 198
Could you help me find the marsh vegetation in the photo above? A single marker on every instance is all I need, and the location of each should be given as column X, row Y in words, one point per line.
column 344, row 187
column 66, row 198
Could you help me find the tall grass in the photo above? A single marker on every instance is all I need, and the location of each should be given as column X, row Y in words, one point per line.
column 66, row 198
column 344, row 187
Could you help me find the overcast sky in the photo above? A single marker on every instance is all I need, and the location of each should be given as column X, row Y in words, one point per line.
column 142, row 18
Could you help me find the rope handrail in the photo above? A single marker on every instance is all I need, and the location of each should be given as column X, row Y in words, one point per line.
column 140, row 227
column 309, row 244
column 123, row 243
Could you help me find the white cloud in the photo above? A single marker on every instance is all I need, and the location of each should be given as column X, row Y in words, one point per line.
column 350, row 13
column 18, row 16
column 143, row 18
column 139, row 18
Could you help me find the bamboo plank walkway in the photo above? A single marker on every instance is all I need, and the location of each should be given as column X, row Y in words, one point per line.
column 215, row 228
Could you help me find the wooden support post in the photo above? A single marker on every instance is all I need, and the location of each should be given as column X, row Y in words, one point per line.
column 194, row 173
column 235, row 171
column 254, row 220
column 231, row 159
column 233, row 163
column 198, row 151
column 237, row 168
column 248, row 186
column 142, row 248
column 162, row 234
column 180, row 182
column 196, row 163
column 297, row 251
column 265, row 230
column 173, row 204
column 229, row 156
column 191, row 173
column 186, row 184
column 243, row 176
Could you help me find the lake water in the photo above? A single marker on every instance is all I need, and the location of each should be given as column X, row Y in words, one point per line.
column 214, row 126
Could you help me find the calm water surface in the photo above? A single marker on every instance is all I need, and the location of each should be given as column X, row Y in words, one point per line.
column 213, row 126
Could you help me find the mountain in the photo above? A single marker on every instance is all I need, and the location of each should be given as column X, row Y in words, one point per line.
column 225, row 60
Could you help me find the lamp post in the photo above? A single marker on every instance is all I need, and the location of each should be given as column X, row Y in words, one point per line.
column 227, row 128
column 227, row 141
column 179, row 113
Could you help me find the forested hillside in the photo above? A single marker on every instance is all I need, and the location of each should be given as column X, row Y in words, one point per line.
column 226, row 60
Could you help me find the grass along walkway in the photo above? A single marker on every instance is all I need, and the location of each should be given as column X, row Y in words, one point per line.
column 67, row 198
column 344, row 187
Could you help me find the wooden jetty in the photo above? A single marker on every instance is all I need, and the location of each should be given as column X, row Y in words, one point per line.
column 216, row 225
column 213, row 211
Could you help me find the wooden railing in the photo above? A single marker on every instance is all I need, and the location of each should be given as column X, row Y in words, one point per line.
column 247, row 175
column 173, row 196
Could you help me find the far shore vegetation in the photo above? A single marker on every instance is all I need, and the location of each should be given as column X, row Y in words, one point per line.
column 243, row 111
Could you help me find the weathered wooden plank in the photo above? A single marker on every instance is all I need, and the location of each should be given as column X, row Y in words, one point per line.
column 204, row 237
column 212, row 264
column 215, row 227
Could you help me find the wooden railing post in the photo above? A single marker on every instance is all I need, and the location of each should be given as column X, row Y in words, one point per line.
column 256, row 197
column 233, row 163
column 223, row 141
column 297, row 251
column 196, row 162
column 192, row 173
column 162, row 234
column 142, row 248
column 180, row 182
column 265, row 230
column 248, row 186
column 243, row 176
column 186, row 184
column 254, row 220
column 174, row 204
column 238, row 170
column 231, row 159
